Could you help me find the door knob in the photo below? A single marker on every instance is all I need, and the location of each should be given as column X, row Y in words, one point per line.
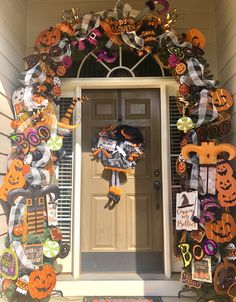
column 156, row 173
column 157, row 185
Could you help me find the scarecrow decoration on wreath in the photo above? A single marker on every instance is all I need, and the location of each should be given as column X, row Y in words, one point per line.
column 118, row 148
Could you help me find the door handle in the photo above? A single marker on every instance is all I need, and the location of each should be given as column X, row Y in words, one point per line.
column 157, row 185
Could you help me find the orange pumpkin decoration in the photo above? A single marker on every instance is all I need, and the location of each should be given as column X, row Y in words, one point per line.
column 226, row 187
column 61, row 70
column 18, row 230
column 222, row 99
column 224, row 277
column 184, row 89
column 180, row 68
column 56, row 90
column 66, row 28
column 15, row 124
column 196, row 37
column 48, row 37
column 14, row 179
column 42, row 282
column 223, row 168
column 223, row 230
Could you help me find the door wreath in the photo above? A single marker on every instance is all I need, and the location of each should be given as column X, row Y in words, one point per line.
column 30, row 188
column 118, row 148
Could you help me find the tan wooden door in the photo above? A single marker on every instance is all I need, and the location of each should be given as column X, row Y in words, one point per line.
column 129, row 237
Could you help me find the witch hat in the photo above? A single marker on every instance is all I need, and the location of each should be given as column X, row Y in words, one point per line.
column 185, row 202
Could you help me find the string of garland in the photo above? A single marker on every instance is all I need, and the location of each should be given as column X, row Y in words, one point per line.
column 204, row 218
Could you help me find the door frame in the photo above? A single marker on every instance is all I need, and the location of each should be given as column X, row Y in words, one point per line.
column 72, row 88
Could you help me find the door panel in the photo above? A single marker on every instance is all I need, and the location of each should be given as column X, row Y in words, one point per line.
column 134, row 226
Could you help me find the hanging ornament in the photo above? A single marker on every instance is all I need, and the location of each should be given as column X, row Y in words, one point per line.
column 185, row 124
column 51, row 248
column 55, row 143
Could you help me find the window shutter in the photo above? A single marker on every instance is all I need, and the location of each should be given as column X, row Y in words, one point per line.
column 175, row 138
column 65, row 182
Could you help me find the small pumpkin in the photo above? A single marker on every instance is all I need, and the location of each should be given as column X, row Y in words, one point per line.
column 224, row 168
column 14, row 179
column 180, row 68
column 42, row 282
column 56, row 90
column 61, row 70
column 48, row 37
column 224, row 277
column 196, row 37
column 15, row 124
column 18, row 230
column 222, row 99
column 223, row 230
column 184, row 89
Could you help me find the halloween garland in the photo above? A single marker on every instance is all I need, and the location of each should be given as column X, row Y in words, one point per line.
column 204, row 207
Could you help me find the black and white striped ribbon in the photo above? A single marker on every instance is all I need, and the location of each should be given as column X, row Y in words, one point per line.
column 195, row 75
column 131, row 39
column 86, row 26
column 205, row 114
column 38, row 177
column 172, row 40
column 65, row 50
column 33, row 75
column 16, row 214
column 45, row 150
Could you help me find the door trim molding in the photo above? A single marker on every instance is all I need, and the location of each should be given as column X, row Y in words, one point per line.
column 73, row 88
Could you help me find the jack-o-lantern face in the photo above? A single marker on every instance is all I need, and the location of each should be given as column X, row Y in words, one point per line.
column 223, row 230
column 61, row 70
column 48, row 37
column 228, row 198
column 223, row 168
column 195, row 37
column 180, row 68
column 221, row 99
column 42, row 282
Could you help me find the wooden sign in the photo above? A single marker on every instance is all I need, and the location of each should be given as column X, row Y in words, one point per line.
column 34, row 253
column 185, row 208
column 52, row 211
column 186, row 278
column 106, row 143
column 201, row 270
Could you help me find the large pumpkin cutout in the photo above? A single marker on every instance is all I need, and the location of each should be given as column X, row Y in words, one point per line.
column 225, row 184
column 48, row 38
column 42, row 282
column 14, row 179
column 222, row 99
column 223, row 230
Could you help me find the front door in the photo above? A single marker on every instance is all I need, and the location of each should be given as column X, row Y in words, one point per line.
column 128, row 238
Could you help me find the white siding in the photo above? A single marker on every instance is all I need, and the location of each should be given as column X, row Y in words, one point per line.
column 226, row 53
column 12, row 50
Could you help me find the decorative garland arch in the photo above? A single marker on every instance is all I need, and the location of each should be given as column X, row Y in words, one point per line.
column 204, row 220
